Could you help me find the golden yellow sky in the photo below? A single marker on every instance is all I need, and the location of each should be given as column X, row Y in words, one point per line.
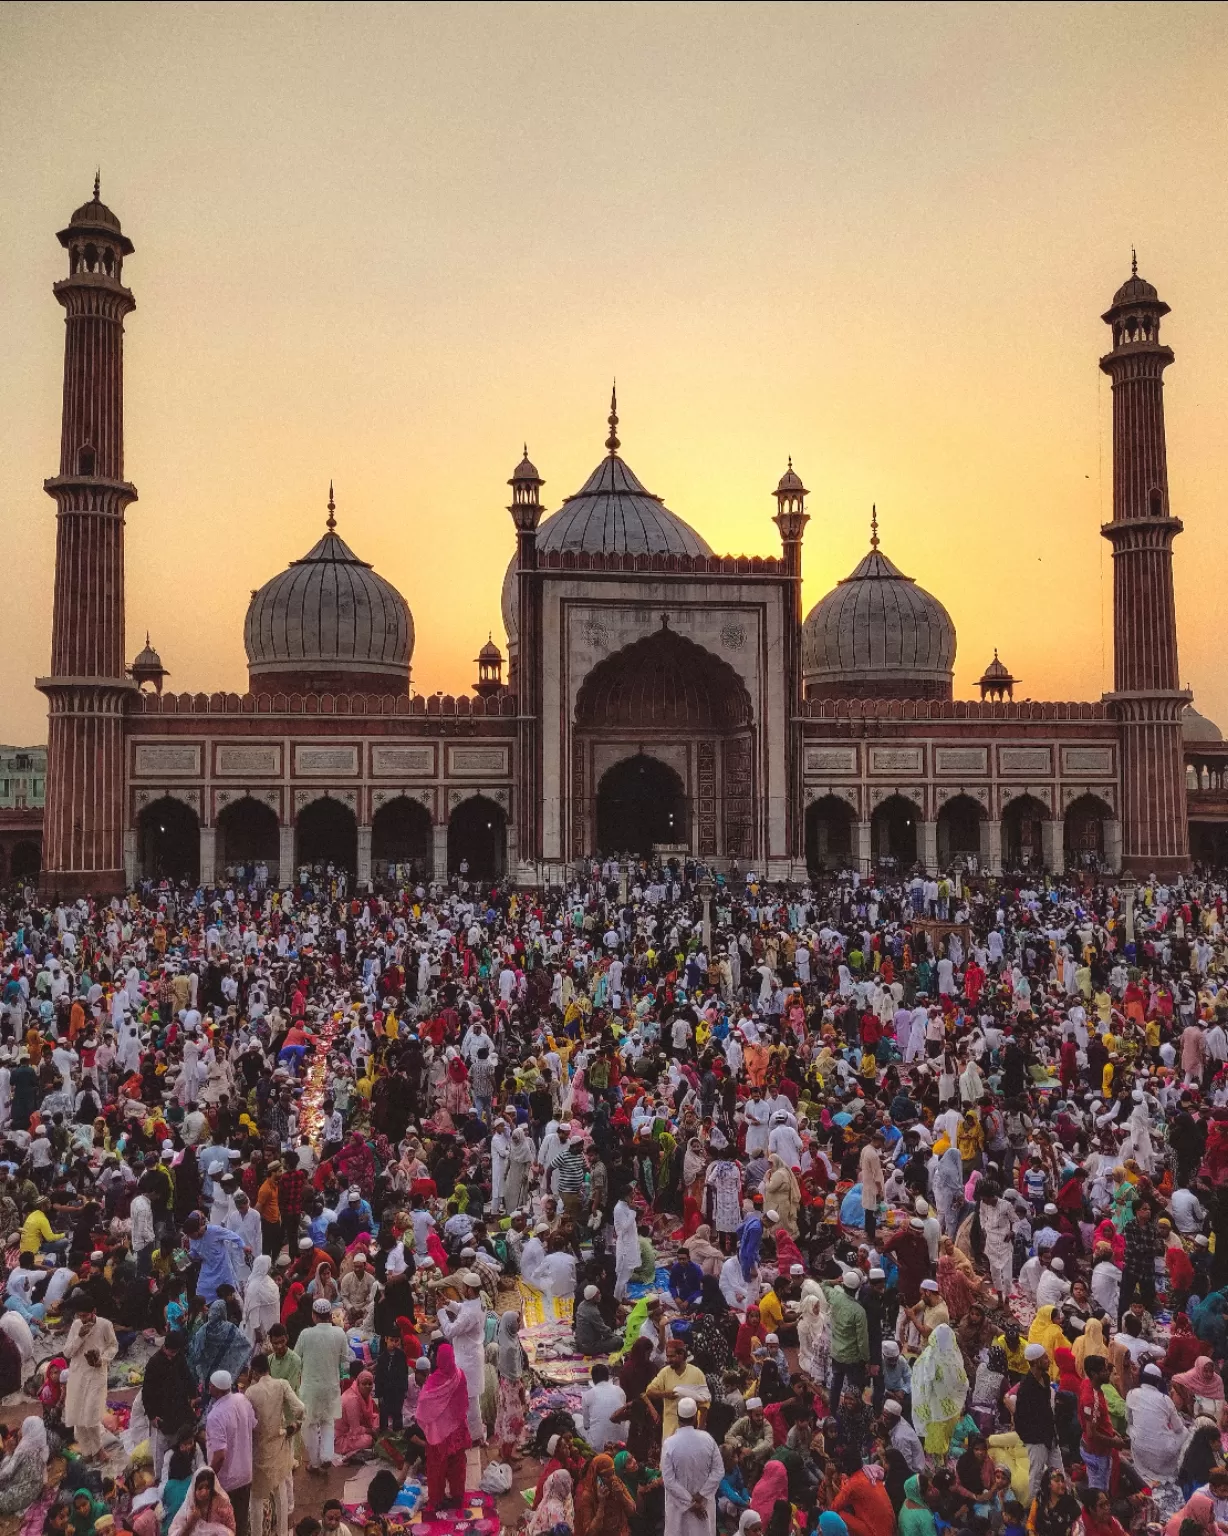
column 387, row 244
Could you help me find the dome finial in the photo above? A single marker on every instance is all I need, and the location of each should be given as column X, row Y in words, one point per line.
column 332, row 509
column 1133, row 262
column 612, row 442
column 97, row 183
column 874, row 525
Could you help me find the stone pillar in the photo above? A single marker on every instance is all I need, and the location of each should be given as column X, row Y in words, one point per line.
column 864, row 850
column 208, row 847
column 927, row 846
column 1112, row 843
column 285, row 855
column 130, row 856
column 991, row 847
column 440, row 866
column 1051, row 843
column 364, row 856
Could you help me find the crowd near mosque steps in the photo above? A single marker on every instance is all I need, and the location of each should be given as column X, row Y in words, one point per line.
column 433, row 1118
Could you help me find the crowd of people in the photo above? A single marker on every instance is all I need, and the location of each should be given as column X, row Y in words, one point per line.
column 872, row 1208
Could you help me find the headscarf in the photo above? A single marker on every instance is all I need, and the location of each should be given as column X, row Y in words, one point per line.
column 629, row 1480
column 939, row 1382
column 1046, row 1331
column 83, row 1525
column 773, row 1484
column 1068, row 1377
column 218, row 1346
column 443, row 1405
column 554, row 1507
column 1200, row 1507
column 293, row 1296
column 595, row 1510
column 220, row 1517
column 1089, row 1342
column 1203, row 1380
column 750, row 1235
column 830, row 1524
column 261, row 1287
column 704, row 1251
column 31, row 1447
column 637, row 1370
column 948, row 1177
column 511, row 1351
column 636, row 1319
column 712, row 1298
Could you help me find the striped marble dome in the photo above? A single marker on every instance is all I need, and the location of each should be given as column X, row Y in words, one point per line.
column 612, row 513
column 877, row 634
column 329, row 622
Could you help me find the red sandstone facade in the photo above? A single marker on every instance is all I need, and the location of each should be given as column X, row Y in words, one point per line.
column 690, row 664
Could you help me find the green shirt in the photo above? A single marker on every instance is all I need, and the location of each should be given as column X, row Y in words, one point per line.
column 288, row 1368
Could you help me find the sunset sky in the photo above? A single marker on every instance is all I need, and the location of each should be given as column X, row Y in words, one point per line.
column 390, row 244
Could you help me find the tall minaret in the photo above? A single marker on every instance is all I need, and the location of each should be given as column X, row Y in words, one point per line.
column 1146, row 697
column 87, row 691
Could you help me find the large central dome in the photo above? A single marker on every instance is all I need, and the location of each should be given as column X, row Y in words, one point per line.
column 611, row 514
column 327, row 624
column 878, row 635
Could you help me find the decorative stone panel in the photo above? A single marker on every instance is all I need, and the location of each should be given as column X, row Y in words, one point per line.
column 396, row 762
column 1105, row 792
column 705, row 798
column 1097, row 760
column 464, row 761
column 327, row 760
column 961, row 760
column 142, row 798
column 263, row 759
column 424, row 795
column 829, row 760
column 897, row 759
column 849, row 793
column 1029, row 760
column 177, row 758
column 305, row 797
column 224, row 797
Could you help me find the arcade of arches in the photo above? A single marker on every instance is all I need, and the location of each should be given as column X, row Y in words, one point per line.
column 402, row 840
column 663, row 753
column 1026, row 838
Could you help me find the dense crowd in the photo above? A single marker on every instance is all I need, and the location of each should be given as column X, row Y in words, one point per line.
column 870, row 1208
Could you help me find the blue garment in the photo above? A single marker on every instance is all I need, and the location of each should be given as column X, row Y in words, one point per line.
column 219, row 1250
column 686, row 1281
column 852, row 1213
column 750, row 1235
column 733, row 1488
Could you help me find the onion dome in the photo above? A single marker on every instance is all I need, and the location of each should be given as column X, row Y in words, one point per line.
column 96, row 218
column 791, row 483
column 329, row 623
column 526, row 470
column 878, row 635
column 1196, row 727
column 997, row 681
column 148, row 668
column 611, row 514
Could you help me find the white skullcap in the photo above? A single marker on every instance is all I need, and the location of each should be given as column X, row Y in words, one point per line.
column 422, row 1363
column 878, row 1274
column 779, row 1117
column 754, row 1402
column 353, row 1197
column 221, row 1380
column 772, row 1215
column 851, row 1279
column 891, row 1350
column 591, row 1293
column 1059, row 1265
column 1200, row 1241
column 97, row 1256
column 929, row 1285
column 470, row 1277
column 304, row 1243
column 915, row 1221
column 687, row 1408
column 1051, row 1209
column 360, row 1258
column 797, row 1269
column 771, row 1338
column 920, row 1206
column 540, row 1228
column 893, row 1408
column 322, row 1306
column 1153, row 1372
column 1035, row 1352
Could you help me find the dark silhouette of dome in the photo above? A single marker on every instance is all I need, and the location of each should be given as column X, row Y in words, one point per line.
column 1196, row 727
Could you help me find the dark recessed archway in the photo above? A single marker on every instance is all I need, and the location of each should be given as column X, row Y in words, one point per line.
column 477, row 838
column 26, row 860
column 1023, row 844
column 664, row 681
column 893, row 831
column 1083, row 832
column 641, row 804
column 248, row 832
column 401, row 835
column 829, row 834
column 168, row 840
column 327, row 833
column 959, row 829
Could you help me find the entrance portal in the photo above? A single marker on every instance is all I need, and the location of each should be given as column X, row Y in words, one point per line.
column 640, row 802
column 169, row 841
column 327, row 833
column 477, row 838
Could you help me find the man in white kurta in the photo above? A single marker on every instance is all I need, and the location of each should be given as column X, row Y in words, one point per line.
column 464, row 1327
column 691, row 1471
column 626, row 1248
column 325, row 1352
column 89, row 1349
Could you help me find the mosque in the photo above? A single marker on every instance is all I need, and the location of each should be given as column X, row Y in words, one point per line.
column 658, row 696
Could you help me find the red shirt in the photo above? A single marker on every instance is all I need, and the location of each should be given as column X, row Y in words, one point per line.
column 1094, row 1421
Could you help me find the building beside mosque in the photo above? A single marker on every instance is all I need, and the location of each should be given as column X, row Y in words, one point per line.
column 659, row 695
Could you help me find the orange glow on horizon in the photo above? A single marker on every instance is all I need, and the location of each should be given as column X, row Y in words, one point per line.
column 385, row 245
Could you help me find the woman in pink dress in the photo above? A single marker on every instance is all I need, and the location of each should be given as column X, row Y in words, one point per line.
column 356, row 1429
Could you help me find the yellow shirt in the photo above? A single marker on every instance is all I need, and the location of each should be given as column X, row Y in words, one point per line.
column 35, row 1231
column 665, row 1381
column 771, row 1313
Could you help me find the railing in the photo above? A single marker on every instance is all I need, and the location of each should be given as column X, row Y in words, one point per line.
column 347, row 704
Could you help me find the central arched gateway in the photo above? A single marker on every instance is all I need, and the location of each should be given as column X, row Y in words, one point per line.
column 641, row 805
column 663, row 753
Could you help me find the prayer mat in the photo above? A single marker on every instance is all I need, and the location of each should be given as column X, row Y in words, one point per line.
column 660, row 1283
column 538, row 1308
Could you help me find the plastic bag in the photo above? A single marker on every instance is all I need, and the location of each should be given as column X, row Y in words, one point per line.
column 496, row 1479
